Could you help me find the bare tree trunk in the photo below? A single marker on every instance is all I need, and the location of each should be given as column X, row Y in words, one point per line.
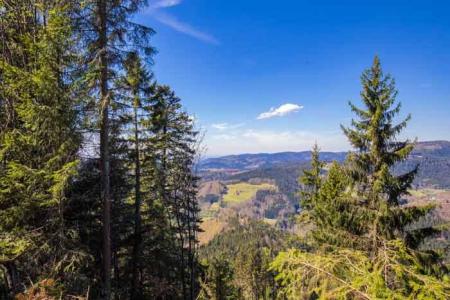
column 136, row 288
column 104, row 149
column 12, row 280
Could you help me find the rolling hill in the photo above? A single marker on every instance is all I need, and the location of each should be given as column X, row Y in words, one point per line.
column 433, row 158
column 241, row 184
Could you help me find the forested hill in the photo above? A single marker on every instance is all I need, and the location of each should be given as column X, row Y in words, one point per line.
column 433, row 158
column 254, row 161
column 439, row 150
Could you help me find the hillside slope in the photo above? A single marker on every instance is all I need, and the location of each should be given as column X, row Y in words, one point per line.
column 433, row 158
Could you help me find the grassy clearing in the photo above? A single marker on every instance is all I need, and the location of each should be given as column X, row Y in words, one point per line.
column 272, row 222
column 210, row 228
column 241, row 192
column 426, row 192
column 211, row 212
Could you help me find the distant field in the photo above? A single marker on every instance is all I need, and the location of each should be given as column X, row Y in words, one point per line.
column 210, row 228
column 426, row 192
column 241, row 192
column 441, row 198
column 211, row 187
column 211, row 212
column 270, row 221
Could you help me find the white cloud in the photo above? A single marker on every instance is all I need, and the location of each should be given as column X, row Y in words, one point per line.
column 165, row 3
column 259, row 141
column 185, row 28
column 281, row 111
column 155, row 10
column 226, row 126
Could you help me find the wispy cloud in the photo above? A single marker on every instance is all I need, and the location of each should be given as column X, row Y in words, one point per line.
column 155, row 10
column 164, row 3
column 185, row 28
column 280, row 111
column 226, row 126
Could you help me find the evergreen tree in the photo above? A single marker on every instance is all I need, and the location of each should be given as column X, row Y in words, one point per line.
column 218, row 282
column 363, row 247
column 71, row 71
column 111, row 36
column 170, row 152
column 137, row 85
column 374, row 136
column 310, row 182
column 38, row 143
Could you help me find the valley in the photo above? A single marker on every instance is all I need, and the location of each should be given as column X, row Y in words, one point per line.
column 265, row 186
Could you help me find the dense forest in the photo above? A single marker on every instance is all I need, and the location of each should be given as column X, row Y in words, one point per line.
column 97, row 193
column 98, row 182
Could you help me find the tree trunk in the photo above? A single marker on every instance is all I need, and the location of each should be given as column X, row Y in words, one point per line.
column 12, row 280
column 104, row 149
column 136, row 288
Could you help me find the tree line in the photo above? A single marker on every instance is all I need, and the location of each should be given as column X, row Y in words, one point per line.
column 97, row 189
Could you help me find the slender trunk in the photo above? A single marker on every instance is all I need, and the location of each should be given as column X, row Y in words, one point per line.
column 191, row 249
column 12, row 280
column 136, row 289
column 116, row 270
column 183, row 264
column 104, row 149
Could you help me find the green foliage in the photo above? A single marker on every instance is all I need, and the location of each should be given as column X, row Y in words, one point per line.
column 363, row 243
column 394, row 273
column 374, row 136
column 248, row 249
column 38, row 144
column 311, row 180
column 218, row 281
column 75, row 75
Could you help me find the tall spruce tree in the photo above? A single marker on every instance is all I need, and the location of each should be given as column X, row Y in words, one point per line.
column 137, row 85
column 108, row 34
column 364, row 248
column 374, row 135
column 39, row 141
column 311, row 180
column 169, row 157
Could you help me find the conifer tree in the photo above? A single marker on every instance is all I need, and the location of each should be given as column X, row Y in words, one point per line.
column 311, row 180
column 374, row 135
column 111, row 36
column 38, row 144
column 137, row 85
column 364, row 248
column 169, row 154
column 218, row 282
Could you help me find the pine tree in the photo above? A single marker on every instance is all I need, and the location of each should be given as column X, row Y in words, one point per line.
column 363, row 247
column 137, row 85
column 311, row 180
column 112, row 36
column 374, row 136
column 169, row 153
column 218, row 282
column 39, row 142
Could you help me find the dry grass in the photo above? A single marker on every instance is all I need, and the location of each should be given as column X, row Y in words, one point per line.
column 210, row 227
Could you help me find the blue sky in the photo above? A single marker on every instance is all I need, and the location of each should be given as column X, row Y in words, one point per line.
column 299, row 62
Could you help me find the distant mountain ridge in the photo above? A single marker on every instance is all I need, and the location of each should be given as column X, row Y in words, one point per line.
column 423, row 150
column 254, row 161
column 433, row 158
